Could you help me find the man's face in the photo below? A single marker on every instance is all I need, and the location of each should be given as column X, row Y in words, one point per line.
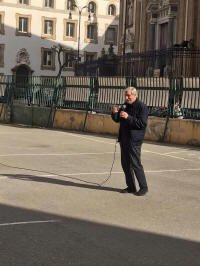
column 130, row 98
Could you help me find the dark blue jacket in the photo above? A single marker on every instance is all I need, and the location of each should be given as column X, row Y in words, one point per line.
column 133, row 128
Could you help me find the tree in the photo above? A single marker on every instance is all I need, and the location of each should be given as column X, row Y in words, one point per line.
column 59, row 50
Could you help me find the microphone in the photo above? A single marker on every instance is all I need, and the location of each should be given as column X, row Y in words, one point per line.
column 123, row 107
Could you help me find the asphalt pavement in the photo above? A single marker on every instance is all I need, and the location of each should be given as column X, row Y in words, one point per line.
column 53, row 211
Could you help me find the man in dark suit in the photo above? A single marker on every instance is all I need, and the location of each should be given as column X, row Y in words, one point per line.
column 132, row 117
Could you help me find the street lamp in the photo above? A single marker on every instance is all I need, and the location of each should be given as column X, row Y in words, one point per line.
column 80, row 9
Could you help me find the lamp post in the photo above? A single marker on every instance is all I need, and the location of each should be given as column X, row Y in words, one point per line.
column 80, row 9
column 124, row 37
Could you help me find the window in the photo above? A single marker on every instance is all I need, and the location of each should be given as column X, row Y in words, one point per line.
column 48, row 59
column 91, row 32
column 92, row 7
column 161, row 2
column 23, row 25
column 49, row 3
column 68, row 59
column 111, row 10
column 111, row 35
column 70, row 30
column 89, row 57
column 49, row 28
column 1, row 55
column 24, row 2
column 2, row 22
column 70, row 5
column 163, row 35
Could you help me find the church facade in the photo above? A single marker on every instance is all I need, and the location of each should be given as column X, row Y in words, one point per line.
column 158, row 24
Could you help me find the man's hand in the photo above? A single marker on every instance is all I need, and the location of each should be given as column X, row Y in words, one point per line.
column 115, row 109
column 123, row 114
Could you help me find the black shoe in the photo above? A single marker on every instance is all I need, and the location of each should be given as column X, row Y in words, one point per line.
column 127, row 190
column 142, row 191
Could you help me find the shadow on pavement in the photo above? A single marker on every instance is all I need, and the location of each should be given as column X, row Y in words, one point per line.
column 72, row 241
column 88, row 185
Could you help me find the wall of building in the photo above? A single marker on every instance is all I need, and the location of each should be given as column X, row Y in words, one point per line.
column 34, row 43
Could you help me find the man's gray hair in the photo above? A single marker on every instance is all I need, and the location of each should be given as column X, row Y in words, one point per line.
column 133, row 90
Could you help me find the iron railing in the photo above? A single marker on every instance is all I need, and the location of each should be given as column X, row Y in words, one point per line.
column 173, row 62
column 165, row 97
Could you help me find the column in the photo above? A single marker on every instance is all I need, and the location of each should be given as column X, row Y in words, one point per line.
column 170, row 32
column 152, row 35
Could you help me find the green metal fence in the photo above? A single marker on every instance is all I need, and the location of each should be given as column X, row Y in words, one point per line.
column 177, row 97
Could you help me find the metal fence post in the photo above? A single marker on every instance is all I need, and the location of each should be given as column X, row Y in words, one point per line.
column 90, row 104
column 130, row 82
column 9, row 103
column 93, row 91
column 172, row 93
column 54, row 104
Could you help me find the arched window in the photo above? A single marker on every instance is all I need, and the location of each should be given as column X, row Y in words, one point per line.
column 70, row 4
column 111, row 10
column 92, row 7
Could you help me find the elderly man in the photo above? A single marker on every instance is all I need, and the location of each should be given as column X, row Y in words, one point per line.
column 133, row 121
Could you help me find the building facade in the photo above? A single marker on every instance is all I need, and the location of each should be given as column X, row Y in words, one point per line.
column 158, row 24
column 32, row 30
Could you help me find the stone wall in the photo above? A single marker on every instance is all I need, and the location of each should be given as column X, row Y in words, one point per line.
column 178, row 131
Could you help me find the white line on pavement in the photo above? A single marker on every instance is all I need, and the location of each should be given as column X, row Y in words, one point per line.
column 3, row 177
column 120, row 172
column 168, row 155
column 146, row 171
column 161, row 154
column 56, row 154
column 179, row 151
column 105, row 173
column 88, row 153
column 92, row 139
column 171, row 170
column 29, row 222
column 96, row 140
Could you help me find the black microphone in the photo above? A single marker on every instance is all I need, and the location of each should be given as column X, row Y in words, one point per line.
column 123, row 107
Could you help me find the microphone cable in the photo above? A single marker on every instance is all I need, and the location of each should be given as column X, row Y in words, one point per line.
column 69, row 177
column 113, row 162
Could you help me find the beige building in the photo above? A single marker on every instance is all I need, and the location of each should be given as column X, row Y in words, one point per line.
column 158, row 24
column 29, row 29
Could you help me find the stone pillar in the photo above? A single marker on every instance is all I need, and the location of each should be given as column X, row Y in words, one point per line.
column 152, row 35
column 170, row 32
column 169, row 59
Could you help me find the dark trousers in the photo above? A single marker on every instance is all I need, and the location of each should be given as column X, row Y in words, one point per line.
column 131, row 164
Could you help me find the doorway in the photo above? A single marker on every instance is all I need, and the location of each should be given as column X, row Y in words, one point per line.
column 22, row 74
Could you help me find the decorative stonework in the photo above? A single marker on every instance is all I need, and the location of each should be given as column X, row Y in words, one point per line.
column 154, row 5
column 162, row 9
column 23, row 57
column 130, row 35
